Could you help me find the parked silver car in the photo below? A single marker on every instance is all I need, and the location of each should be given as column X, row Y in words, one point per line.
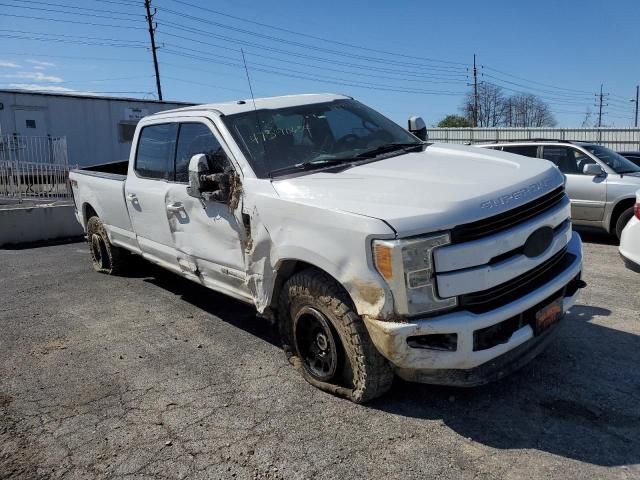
column 601, row 183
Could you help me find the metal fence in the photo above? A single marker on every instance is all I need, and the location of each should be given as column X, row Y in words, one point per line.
column 34, row 168
column 619, row 139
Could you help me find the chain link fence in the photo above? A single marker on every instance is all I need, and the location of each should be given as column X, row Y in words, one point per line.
column 35, row 168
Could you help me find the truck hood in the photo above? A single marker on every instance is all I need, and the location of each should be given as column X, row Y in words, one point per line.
column 443, row 186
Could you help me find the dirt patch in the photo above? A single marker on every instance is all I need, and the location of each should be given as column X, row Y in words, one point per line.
column 49, row 346
column 369, row 291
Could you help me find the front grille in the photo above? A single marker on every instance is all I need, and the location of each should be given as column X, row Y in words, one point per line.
column 495, row 297
column 511, row 218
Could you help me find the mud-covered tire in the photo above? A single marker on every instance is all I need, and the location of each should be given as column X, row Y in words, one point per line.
column 622, row 221
column 105, row 257
column 362, row 373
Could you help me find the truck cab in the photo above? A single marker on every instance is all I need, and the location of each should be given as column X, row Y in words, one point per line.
column 375, row 253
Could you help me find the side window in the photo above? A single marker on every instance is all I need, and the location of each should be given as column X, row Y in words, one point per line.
column 526, row 150
column 569, row 160
column 156, row 147
column 581, row 160
column 196, row 138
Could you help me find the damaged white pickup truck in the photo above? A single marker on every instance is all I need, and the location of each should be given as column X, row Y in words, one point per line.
column 375, row 252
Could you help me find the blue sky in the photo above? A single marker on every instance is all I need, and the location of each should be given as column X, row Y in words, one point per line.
column 413, row 57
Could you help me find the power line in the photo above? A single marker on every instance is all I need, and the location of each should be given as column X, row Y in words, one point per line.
column 425, row 78
column 76, row 22
column 290, row 54
column 83, row 37
column 533, row 81
column 94, row 15
column 301, row 75
column 77, row 42
column 302, row 45
column 335, row 42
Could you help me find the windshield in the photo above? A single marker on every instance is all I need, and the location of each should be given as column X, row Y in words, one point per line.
column 614, row 160
column 321, row 133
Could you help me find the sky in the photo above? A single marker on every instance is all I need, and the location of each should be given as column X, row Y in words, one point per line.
column 403, row 58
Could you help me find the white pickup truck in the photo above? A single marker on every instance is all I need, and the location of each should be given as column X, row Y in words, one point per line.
column 374, row 252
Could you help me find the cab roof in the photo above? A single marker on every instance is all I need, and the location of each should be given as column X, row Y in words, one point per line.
column 241, row 106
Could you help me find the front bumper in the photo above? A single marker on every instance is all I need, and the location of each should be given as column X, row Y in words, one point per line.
column 440, row 366
column 630, row 244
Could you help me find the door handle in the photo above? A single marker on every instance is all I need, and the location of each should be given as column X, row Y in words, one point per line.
column 131, row 197
column 174, row 207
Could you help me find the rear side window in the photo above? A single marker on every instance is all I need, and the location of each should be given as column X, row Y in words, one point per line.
column 156, row 149
column 525, row 150
column 196, row 138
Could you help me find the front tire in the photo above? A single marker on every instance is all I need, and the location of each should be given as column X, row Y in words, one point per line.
column 105, row 257
column 622, row 221
column 327, row 341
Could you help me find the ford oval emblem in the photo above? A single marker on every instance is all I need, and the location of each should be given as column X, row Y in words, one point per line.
column 538, row 242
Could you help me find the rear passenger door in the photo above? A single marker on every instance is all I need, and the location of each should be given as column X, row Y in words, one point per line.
column 146, row 189
column 587, row 192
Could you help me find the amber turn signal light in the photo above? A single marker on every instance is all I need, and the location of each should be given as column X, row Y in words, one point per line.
column 383, row 259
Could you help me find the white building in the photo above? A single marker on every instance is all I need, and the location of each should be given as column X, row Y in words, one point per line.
column 98, row 129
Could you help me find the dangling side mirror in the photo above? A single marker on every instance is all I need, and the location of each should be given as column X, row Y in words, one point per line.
column 206, row 185
column 418, row 128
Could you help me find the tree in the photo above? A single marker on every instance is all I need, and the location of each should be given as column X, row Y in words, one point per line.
column 588, row 119
column 527, row 110
column 452, row 121
column 490, row 105
column 497, row 110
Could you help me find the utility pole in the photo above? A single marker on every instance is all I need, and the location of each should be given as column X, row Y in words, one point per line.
column 601, row 98
column 637, row 92
column 152, row 29
column 475, row 92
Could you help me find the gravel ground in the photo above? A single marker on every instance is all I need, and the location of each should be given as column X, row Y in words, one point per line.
column 150, row 376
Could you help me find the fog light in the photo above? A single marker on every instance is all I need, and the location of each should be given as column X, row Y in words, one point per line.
column 437, row 341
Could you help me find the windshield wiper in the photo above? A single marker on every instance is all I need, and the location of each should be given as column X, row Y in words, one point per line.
column 389, row 147
column 304, row 166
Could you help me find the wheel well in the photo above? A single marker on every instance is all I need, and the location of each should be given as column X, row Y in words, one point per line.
column 88, row 212
column 620, row 207
column 286, row 270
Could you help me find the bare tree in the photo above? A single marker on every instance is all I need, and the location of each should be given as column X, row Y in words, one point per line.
column 588, row 119
column 527, row 110
column 497, row 110
column 490, row 105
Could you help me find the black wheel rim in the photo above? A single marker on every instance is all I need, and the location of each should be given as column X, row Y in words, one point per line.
column 98, row 250
column 316, row 344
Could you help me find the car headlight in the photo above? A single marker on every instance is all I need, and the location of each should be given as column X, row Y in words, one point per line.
column 407, row 266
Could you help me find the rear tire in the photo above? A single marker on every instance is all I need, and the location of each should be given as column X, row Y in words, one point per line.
column 327, row 341
column 622, row 221
column 105, row 257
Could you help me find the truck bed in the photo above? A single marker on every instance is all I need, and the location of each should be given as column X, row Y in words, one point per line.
column 100, row 189
column 108, row 170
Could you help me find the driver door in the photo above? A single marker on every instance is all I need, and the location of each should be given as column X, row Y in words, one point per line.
column 587, row 192
column 206, row 234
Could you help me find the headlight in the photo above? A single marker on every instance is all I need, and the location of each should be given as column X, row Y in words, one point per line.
column 407, row 266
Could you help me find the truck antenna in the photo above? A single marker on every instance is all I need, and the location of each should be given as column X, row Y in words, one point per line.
column 253, row 99
column 244, row 61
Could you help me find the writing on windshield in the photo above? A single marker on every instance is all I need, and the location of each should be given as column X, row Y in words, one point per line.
column 273, row 140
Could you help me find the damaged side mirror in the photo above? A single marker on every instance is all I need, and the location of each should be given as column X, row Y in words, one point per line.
column 205, row 184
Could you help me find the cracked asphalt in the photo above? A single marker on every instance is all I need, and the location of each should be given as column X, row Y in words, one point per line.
column 149, row 376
